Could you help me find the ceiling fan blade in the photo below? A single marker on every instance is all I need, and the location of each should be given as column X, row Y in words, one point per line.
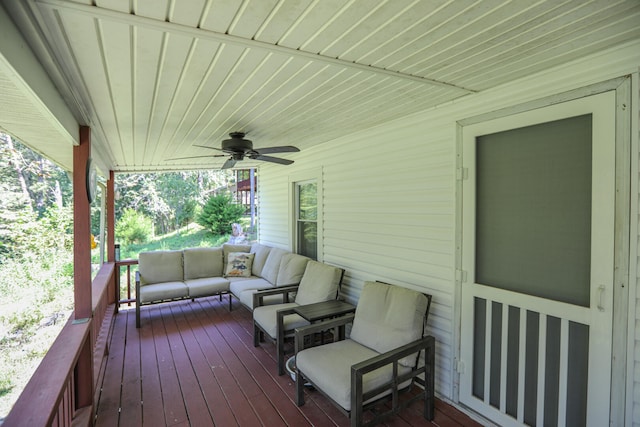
column 281, row 149
column 196, row 157
column 229, row 164
column 210, row 148
column 273, row 159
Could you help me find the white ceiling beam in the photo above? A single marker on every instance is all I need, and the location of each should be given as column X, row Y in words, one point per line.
column 170, row 27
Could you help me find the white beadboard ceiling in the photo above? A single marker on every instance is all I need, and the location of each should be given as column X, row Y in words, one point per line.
column 156, row 78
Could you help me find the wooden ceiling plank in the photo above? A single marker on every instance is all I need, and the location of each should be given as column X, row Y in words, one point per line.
column 284, row 16
column 496, row 34
column 577, row 24
column 115, row 40
column 186, row 13
column 146, row 57
column 251, row 17
column 219, row 67
column 413, row 51
column 156, row 9
column 538, row 34
column 174, row 54
column 230, row 39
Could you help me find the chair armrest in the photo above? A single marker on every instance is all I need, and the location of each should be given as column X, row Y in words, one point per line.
column 138, row 287
column 305, row 331
column 358, row 397
column 393, row 355
column 258, row 297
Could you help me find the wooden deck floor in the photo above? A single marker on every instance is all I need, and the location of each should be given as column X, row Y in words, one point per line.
column 194, row 364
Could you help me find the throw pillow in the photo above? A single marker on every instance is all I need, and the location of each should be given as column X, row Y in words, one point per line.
column 239, row 264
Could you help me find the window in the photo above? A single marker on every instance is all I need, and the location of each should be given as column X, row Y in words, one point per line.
column 306, row 208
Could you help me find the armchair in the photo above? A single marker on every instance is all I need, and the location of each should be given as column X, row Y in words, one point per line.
column 320, row 282
column 381, row 357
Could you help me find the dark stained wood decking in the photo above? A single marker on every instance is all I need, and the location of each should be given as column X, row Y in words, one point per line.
column 194, row 364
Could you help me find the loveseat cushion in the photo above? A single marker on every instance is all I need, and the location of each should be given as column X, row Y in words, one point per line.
column 238, row 285
column 202, row 262
column 160, row 266
column 163, row 291
column 291, row 269
column 388, row 317
column 261, row 253
column 206, row 286
column 329, row 368
column 272, row 265
column 319, row 283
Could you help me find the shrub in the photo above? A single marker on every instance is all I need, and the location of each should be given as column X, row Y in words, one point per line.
column 133, row 227
column 219, row 213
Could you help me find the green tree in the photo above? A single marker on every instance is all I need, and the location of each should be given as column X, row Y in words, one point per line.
column 219, row 213
column 134, row 227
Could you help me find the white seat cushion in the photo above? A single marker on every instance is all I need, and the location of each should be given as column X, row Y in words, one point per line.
column 238, row 285
column 266, row 317
column 329, row 368
column 206, row 286
column 163, row 291
column 246, row 298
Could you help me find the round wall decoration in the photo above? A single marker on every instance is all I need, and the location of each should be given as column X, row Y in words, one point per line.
column 92, row 180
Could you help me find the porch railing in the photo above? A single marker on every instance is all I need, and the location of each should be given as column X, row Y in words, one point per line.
column 51, row 396
column 129, row 298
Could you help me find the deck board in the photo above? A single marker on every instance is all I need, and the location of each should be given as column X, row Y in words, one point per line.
column 194, row 364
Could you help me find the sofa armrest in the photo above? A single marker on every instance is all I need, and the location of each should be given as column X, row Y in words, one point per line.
column 358, row 397
column 137, row 299
column 258, row 297
column 305, row 331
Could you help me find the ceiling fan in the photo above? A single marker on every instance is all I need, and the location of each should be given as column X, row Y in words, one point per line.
column 237, row 148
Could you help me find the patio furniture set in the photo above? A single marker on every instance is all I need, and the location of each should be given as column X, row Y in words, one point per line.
column 296, row 300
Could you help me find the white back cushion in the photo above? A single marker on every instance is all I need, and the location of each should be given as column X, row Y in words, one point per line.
column 291, row 269
column 261, row 253
column 202, row 262
column 160, row 266
column 319, row 283
column 388, row 317
column 272, row 264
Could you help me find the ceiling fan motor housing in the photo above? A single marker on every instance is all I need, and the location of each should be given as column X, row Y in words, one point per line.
column 237, row 144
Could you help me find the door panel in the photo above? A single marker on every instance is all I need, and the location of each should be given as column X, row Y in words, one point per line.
column 538, row 245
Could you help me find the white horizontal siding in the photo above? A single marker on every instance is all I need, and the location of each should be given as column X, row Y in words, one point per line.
column 389, row 202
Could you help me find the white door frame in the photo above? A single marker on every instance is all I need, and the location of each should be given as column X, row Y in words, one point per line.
column 620, row 383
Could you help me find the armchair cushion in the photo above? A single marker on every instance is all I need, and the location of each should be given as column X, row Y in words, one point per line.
column 388, row 317
column 266, row 317
column 337, row 358
column 291, row 269
column 319, row 283
column 202, row 262
column 160, row 266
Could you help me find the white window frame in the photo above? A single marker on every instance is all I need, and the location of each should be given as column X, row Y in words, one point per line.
column 304, row 177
